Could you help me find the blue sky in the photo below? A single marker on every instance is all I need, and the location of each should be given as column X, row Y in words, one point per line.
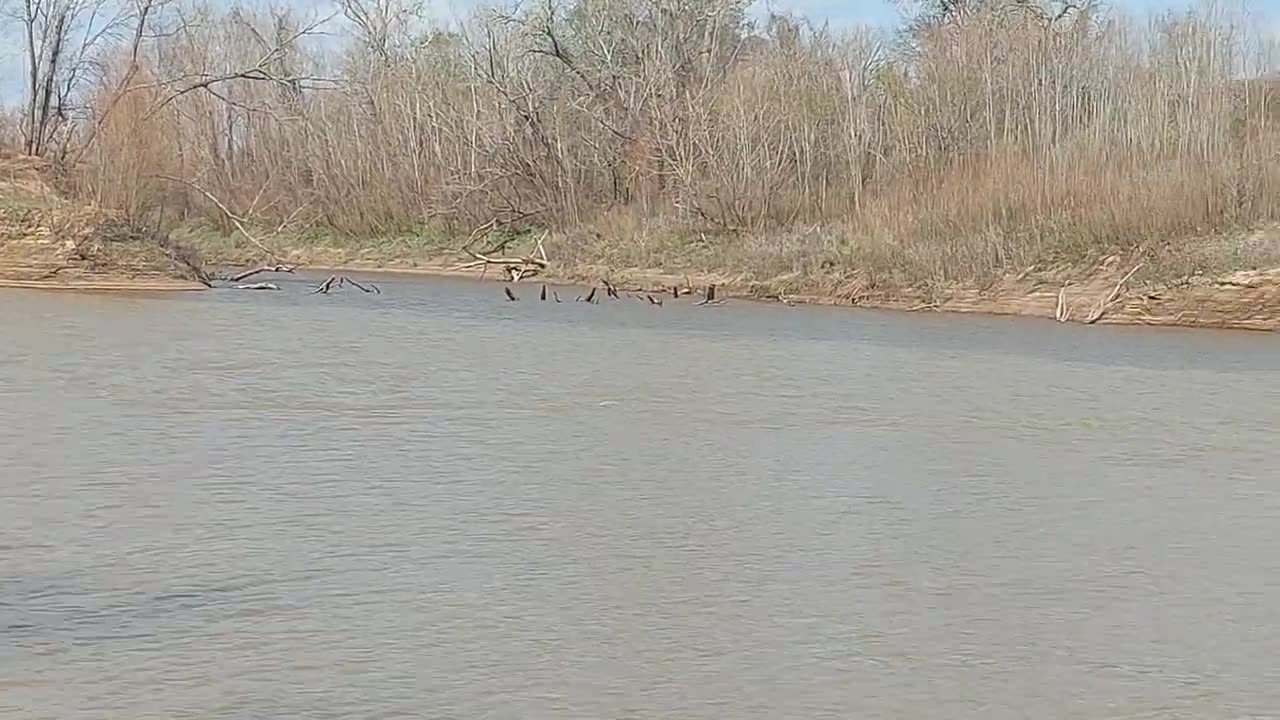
column 837, row 12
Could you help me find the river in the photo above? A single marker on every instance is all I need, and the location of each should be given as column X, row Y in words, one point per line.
column 433, row 503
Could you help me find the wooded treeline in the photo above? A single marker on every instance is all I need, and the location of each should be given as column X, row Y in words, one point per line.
column 981, row 136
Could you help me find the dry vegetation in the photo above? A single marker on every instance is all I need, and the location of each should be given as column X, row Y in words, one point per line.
column 991, row 138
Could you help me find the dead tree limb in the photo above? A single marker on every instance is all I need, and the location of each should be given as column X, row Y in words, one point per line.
column 337, row 281
column 516, row 267
column 324, row 287
column 356, row 285
column 236, row 220
column 1107, row 302
column 238, row 277
column 1063, row 312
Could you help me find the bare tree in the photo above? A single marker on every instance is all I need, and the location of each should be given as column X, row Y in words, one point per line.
column 61, row 41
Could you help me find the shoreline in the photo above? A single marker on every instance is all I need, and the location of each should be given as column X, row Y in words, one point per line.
column 1245, row 300
column 112, row 286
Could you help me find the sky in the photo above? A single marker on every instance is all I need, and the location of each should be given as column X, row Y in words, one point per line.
column 839, row 13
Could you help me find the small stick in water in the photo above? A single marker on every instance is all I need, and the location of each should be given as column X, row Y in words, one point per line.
column 710, row 299
column 324, row 286
column 543, row 295
column 555, row 295
column 357, row 285
column 511, row 297
column 654, row 301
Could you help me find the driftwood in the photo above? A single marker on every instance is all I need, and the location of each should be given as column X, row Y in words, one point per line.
column 324, row 287
column 258, row 286
column 555, row 295
column 653, row 300
column 1107, row 302
column 371, row 289
column 511, row 297
column 1062, row 312
column 245, row 275
column 516, row 267
column 590, row 298
column 610, row 290
column 337, row 281
column 542, row 296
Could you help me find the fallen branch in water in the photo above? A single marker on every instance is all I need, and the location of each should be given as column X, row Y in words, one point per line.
column 258, row 286
column 324, row 287
column 371, row 289
column 1103, row 306
column 710, row 298
column 239, row 277
column 337, row 281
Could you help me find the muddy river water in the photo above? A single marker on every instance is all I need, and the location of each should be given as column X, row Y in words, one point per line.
column 433, row 503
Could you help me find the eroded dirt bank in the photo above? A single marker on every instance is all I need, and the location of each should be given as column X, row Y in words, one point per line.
column 47, row 241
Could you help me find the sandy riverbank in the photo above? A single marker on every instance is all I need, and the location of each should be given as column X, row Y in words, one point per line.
column 1247, row 300
column 50, row 242
column 1104, row 294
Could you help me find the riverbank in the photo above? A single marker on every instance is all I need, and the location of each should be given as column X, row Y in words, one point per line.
column 50, row 242
column 1133, row 288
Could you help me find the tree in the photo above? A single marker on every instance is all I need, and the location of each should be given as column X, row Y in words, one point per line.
column 61, row 40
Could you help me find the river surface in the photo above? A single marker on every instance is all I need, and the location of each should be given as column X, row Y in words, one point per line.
column 432, row 503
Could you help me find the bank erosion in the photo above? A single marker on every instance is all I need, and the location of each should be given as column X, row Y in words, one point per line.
column 50, row 241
